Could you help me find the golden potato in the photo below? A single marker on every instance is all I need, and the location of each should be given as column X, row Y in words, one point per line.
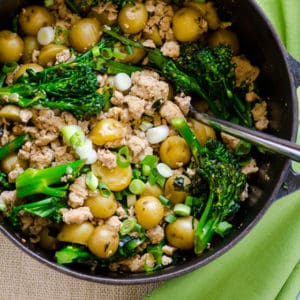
column 174, row 188
column 107, row 130
column 33, row 18
column 133, row 18
column 116, row 179
column 101, row 206
column 84, row 34
column 181, row 233
column 175, row 152
column 23, row 68
column 48, row 54
column 149, row 211
column 30, row 44
column 188, row 25
column 104, row 241
column 76, row 233
column 11, row 47
column 226, row 37
column 202, row 132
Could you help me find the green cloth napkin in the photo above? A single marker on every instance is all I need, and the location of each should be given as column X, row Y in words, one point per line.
column 265, row 265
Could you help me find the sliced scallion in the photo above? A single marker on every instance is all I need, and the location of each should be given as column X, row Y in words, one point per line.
column 123, row 157
column 127, row 226
column 165, row 201
column 104, row 190
column 182, row 210
column 170, row 218
column 164, row 170
column 137, row 186
column 91, row 181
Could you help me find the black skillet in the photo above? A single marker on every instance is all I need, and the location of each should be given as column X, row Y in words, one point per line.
column 280, row 75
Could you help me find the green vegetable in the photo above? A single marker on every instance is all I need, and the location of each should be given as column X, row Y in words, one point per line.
column 13, row 145
column 47, row 181
column 47, row 208
column 4, row 184
column 75, row 255
column 69, row 86
column 225, row 182
column 123, row 157
column 181, row 209
column 206, row 72
column 136, row 186
column 214, row 72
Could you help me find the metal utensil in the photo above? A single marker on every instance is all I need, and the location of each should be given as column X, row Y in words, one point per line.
column 267, row 141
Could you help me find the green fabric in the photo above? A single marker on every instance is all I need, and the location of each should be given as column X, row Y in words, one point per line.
column 265, row 265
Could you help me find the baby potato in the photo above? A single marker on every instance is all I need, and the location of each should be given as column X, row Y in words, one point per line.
column 47, row 241
column 23, row 68
column 48, row 54
column 33, row 18
column 107, row 130
column 149, row 211
column 133, row 58
column 104, row 17
column 84, row 34
column 133, row 18
column 116, row 179
column 101, row 206
column 174, row 188
column 10, row 112
column 30, row 44
column 180, row 234
column 104, row 241
column 226, row 37
column 152, row 190
column 154, row 36
column 11, row 47
column 202, row 132
column 188, row 25
column 208, row 11
column 10, row 162
column 76, row 233
column 175, row 152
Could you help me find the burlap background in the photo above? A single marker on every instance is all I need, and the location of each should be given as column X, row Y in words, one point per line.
column 22, row 278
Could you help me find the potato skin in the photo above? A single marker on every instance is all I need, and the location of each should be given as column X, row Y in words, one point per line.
column 175, row 152
column 84, row 34
column 170, row 191
column 133, row 18
column 48, row 54
column 180, row 234
column 33, row 18
column 104, row 241
column 149, row 211
column 188, row 25
column 11, row 47
column 76, row 233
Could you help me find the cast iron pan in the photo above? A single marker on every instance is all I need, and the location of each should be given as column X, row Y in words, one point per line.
column 280, row 74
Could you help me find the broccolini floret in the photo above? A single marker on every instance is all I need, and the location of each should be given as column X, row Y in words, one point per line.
column 202, row 71
column 48, row 208
column 47, row 181
column 71, row 86
column 225, row 183
column 214, row 72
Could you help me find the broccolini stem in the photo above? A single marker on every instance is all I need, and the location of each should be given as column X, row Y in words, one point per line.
column 197, row 149
column 13, row 145
column 33, row 181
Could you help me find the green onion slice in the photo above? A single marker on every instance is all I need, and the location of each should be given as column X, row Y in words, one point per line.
column 104, row 190
column 127, row 226
column 137, row 186
column 182, row 210
column 123, row 157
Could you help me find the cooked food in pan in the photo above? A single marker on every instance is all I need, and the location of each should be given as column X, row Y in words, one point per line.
column 101, row 164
